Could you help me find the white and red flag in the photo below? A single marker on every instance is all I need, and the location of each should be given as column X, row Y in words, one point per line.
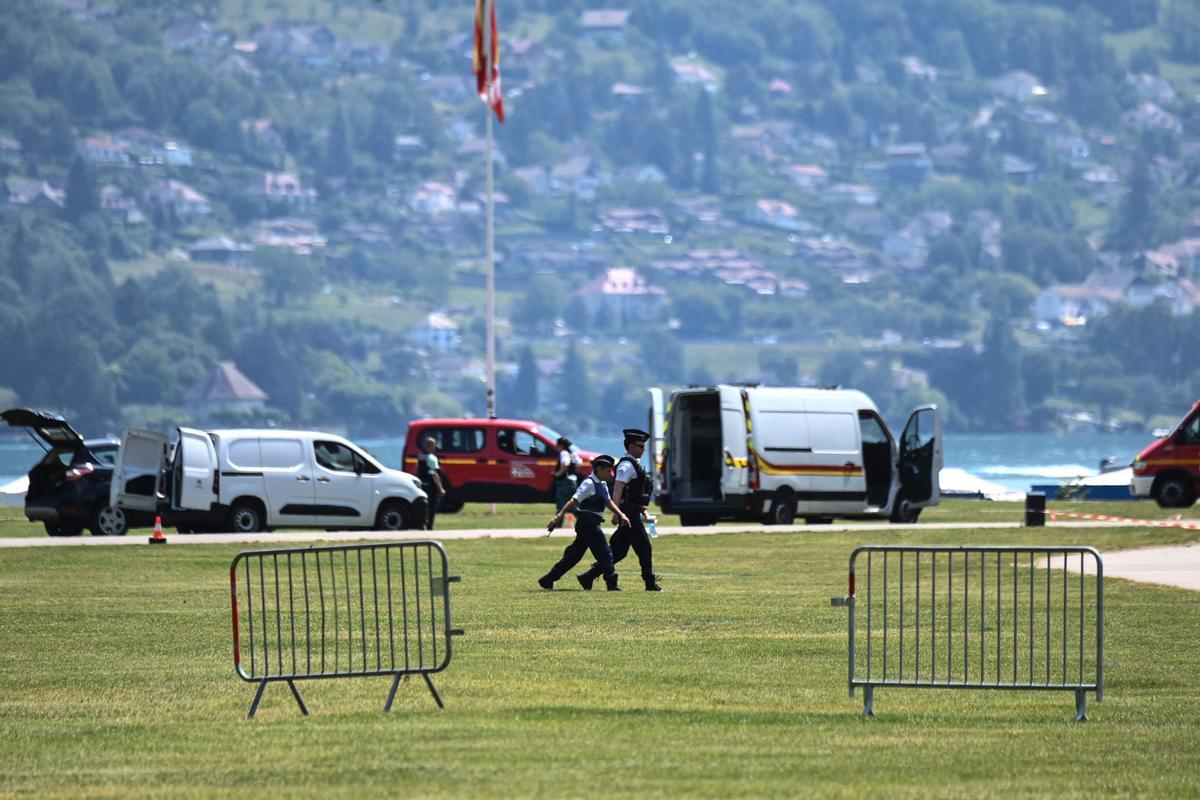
column 486, row 60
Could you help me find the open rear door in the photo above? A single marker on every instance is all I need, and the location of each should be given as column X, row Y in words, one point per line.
column 195, row 470
column 656, row 425
column 921, row 457
column 137, row 470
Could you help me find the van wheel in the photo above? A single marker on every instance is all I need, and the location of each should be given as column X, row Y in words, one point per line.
column 393, row 515
column 108, row 521
column 904, row 513
column 818, row 520
column 245, row 516
column 449, row 505
column 1174, row 491
column 696, row 520
column 54, row 529
column 783, row 509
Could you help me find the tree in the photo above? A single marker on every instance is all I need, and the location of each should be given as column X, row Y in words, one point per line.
column 575, row 385
column 83, row 197
column 339, row 153
column 286, row 275
column 538, row 307
column 1135, row 218
column 525, row 389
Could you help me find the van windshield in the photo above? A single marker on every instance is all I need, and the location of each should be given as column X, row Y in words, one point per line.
column 548, row 433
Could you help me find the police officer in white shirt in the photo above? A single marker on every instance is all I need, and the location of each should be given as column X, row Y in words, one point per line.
column 631, row 493
column 589, row 502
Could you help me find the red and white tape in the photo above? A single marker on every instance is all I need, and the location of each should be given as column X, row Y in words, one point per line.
column 1153, row 523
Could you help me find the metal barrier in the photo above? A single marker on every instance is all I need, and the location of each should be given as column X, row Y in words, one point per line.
column 341, row 612
column 977, row 618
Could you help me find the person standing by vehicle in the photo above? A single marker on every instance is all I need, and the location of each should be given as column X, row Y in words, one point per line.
column 631, row 493
column 565, row 475
column 589, row 501
column 430, row 478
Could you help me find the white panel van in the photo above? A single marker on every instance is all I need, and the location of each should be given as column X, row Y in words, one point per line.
column 774, row 453
column 249, row 480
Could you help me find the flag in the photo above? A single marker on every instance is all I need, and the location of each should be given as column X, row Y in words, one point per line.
column 487, row 75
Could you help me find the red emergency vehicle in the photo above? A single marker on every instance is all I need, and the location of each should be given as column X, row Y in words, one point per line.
column 491, row 460
column 1169, row 469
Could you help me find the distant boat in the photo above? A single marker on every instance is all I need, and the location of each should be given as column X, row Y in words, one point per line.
column 1111, row 485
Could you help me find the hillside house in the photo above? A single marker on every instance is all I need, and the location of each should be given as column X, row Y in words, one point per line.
column 1150, row 117
column 576, row 176
column 779, row 214
column 633, row 220
column 300, row 236
column 438, row 332
column 1018, row 170
column 181, row 198
column 115, row 204
column 34, row 194
column 1018, row 86
column 1153, row 88
column 907, row 164
column 432, row 198
column 149, row 148
column 287, row 188
column 220, row 250
column 617, row 298
column 261, row 133
column 607, row 25
column 225, row 389
column 809, row 177
column 689, row 73
column 102, row 151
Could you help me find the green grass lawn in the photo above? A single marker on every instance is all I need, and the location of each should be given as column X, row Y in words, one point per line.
column 116, row 679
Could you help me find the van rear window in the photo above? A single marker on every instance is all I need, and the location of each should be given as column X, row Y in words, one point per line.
column 455, row 440
column 243, row 454
column 281, row 453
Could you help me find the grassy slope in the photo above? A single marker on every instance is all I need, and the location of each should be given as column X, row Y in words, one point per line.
column 116, row 680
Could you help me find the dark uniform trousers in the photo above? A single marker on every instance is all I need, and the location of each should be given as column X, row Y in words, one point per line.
column 588, row 536
column 634, row 536
column 431, row 505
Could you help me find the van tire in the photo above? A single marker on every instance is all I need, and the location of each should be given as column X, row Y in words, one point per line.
column 903, row 513
column 782, row 510
column 108, row 521
column 818, row 520
column 450, row 505
column 1174, row 490
column 246, row 516
column 393, row 515
column 693, row 520
column 54, row 529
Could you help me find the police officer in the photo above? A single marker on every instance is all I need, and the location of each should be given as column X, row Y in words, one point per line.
column 565, row 480
column 589, row 502
column 431, row 479
column 631, row 493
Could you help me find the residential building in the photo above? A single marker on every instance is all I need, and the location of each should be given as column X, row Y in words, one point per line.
column 607, row 24
column 619, row 298
column 438, row 332
column 1018, row 86
column 220, row 250
column 287, row 188
column 100, row 150
column 223, row 390
column 184, row 200
column 432, row 198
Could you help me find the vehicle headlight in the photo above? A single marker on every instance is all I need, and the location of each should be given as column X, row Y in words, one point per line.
column 1139, row 465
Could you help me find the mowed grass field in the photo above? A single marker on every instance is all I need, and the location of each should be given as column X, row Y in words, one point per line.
column 116, row 680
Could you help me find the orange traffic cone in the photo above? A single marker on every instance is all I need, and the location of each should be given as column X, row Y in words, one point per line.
column 158, row 537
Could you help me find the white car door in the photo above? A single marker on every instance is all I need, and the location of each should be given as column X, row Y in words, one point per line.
column 287, row 479
column 736, row 438
column 137, row 470
column 343, row 486
column 195, row 470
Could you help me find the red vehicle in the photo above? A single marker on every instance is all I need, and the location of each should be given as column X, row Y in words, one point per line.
column 1169, row 469
column 491, row 460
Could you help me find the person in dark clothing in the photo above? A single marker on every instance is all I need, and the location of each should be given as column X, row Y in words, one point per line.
column 565, row 480
column 431, row 479
column 589, row 502
column 631, row 493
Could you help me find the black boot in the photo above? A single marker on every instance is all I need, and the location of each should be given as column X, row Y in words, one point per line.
column 611, row 583
column 545, row 582
column 652, row 584
column 585, row 580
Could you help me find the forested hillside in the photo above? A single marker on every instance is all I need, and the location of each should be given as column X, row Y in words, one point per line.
column 989, row 204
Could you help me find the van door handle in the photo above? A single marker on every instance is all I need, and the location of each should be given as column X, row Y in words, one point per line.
column 302, row 478
column 322, row 480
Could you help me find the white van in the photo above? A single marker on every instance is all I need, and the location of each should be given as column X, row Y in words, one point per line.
column 748, row 452
column 250, row 480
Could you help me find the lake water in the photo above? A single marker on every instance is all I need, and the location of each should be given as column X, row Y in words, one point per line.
column 1013, row 460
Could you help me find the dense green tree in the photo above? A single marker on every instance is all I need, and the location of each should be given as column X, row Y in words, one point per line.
column 83, row 197
column 523, row 399
column 339, row 153
column 1135, row 223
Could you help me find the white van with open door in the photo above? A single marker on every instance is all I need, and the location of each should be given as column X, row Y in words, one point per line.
column 775, row 453
column 249, row 480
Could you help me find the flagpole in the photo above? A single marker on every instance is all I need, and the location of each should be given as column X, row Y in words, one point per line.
column 491, row 255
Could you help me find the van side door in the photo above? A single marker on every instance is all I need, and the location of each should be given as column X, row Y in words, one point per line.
column 194, row 471
column 735, row 443
column 921, row 457
column 137, row 470
column 839, row 484
column 284, row 473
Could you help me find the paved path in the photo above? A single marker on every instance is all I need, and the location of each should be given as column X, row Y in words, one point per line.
column 1177, row 565
column 139, row 538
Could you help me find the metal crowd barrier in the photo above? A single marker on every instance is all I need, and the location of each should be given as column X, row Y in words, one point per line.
column 976, row 618
column 341, row 612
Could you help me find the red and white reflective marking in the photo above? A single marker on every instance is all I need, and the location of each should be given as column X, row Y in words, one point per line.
column 1152, row 523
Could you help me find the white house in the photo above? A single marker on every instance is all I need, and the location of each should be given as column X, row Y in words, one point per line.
column 1019, row 86
column 617, row 298
column 439, row 332
column 225, row 388
column 186, row 201
column 432, row 198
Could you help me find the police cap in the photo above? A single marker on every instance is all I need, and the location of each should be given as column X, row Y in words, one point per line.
column 603, row 461
column 635, row 434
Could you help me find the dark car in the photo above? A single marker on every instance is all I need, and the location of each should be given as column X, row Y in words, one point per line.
column 69, row 487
